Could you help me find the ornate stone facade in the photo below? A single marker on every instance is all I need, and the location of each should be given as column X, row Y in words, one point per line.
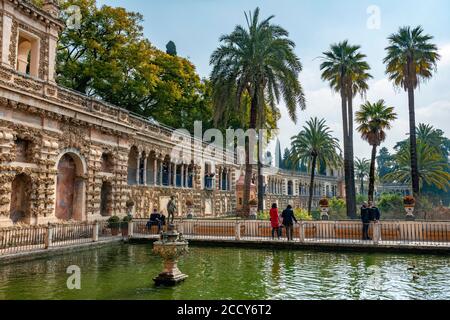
column 65, row 156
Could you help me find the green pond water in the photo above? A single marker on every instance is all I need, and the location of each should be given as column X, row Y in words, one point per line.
column 126, row 272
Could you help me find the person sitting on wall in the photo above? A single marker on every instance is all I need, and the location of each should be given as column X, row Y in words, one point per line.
column 156, row 219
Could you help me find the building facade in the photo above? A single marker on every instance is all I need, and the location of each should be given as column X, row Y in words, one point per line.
column 68, row 157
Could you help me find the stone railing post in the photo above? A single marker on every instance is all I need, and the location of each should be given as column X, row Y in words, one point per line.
column 95, row 231
column 130, row 229
column 237, row 230
column 301, row 228
column 49, row 236
column 376, row 232
column 181, row 227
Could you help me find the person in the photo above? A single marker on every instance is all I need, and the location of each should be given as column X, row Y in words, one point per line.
column 375, row 214
column 275, row 221
column 288, row 222
column 156, row 219
column 365, row 218
column 171, row 208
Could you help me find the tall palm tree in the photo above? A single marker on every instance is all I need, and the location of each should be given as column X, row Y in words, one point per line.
column 433, row 169
column 411, row 59
column 374, row 119
column 257, row 61
column 313, row 146
column 362, row 168
column 347, row 72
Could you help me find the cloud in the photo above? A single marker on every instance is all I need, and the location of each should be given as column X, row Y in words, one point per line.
column 444, row 51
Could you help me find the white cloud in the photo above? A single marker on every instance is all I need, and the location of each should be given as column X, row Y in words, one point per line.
column 444, row 51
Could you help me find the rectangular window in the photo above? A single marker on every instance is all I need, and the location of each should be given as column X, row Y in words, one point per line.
column 28, row 54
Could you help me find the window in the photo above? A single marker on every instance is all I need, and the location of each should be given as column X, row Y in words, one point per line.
column 28, row 54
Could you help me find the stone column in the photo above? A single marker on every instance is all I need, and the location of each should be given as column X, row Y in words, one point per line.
column 174, row 177
column 161, row 170
column 145, row 169
column 155, row 171
column 138, row 169
column 182, row 175
column 186, row 177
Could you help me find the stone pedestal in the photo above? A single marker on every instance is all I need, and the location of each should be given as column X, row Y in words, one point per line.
column 324, row 213
column 170, row 248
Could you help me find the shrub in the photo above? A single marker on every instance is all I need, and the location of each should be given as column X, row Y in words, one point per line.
column 302, row 214
column 391, row 202
column 361, row 198
column 113, row 222
column 253, row 202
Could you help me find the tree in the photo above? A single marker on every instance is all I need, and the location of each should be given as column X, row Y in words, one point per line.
column 411, row 59
column 346, row 71
column 109, row 58
column 374, row 119
column 171, row 48
column 312, row 146
column 432, row 168
column 257, row 61
column 362, row 169
column 384, row 163
column 431, row 136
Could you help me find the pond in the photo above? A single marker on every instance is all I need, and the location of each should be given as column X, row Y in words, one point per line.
column 126, row 272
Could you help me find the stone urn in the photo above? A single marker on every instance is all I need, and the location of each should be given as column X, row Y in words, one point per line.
column 170, row 247
column 253, row 214
column 409, row 203
column 324, row 209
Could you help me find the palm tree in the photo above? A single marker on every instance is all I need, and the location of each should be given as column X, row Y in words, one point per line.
column 433, row 169
column 362, row 168
column 374, row 119
column 259, row 62
column 347, row 73
column 411, row 59
column 313, row 146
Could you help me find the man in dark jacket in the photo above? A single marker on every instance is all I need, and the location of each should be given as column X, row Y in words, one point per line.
column 374, row 212
column 288, row 222
column 365, row 218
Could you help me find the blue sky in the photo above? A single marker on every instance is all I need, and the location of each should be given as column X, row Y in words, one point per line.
column 196, row 25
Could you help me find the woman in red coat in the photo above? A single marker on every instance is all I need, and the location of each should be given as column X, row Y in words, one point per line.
column 275, row 221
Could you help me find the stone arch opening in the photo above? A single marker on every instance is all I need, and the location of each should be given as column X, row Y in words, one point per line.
column 106, row 199
column 20, row 198
column 290, row 188
column 133, row 166
column 70, row 188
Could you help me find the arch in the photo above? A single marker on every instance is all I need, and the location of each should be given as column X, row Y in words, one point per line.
column 20, row 198
column 70, row 186
column 106, row 199
column 132, row 166
column 290, row 188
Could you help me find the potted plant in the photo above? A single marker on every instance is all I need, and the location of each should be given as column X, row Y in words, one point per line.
column 409, row 203
column 324, row 209
column 114, row 224
column 190, row 208
column 129, row 204
column 253, row 209
column 124, row 225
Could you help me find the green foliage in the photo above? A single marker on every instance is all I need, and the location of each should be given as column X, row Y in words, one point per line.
column 390, row 202
column 385, row 162
column 361, row 198
column 109, row 58
column 171, row 48
column 338, row 209
column 410, row 46
column 113, row 222
column 432, row 167
column 302, row 215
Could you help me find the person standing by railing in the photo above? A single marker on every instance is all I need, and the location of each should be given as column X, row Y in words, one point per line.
column 365, row 218
column 288, row 222
column 275, row 221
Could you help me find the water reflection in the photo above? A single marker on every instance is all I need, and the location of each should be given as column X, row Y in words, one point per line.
column 126, row 272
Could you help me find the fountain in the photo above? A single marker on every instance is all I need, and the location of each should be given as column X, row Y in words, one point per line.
column 170, row 247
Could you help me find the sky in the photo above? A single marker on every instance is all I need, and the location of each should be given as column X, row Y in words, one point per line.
column 196, row 25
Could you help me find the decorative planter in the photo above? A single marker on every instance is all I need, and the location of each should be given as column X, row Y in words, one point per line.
column 253, row 212
column 115, row 231
column 410, row 213
column 324, row 213
column 124, row 230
